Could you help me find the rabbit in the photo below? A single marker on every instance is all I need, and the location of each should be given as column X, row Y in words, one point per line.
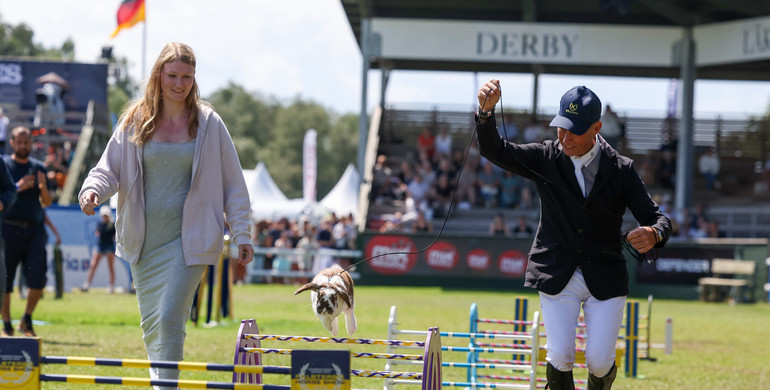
column 331, row 293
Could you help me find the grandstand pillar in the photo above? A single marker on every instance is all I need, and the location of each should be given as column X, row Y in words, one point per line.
column 684, row 163
column 384, row 85
column 535, row 87
column 363, row 123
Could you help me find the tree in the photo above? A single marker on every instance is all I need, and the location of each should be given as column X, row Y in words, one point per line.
column 265, row 130
column 17, row 41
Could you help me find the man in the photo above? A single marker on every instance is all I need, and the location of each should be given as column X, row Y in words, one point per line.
column 24, row 229
column 577, row 258
column 3, row 129
column 7, row 198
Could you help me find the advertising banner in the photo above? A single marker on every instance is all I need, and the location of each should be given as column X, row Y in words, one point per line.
column 19, row 83
column 481, row 257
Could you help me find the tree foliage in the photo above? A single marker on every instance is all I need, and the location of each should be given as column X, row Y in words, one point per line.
column 264, row 130
column 16, row 41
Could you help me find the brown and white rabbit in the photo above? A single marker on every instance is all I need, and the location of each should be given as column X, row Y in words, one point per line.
column 331, row 293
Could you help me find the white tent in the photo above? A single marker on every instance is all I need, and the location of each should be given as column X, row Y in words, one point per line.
column 269, row 202
column 261, row 186
column 343, row 198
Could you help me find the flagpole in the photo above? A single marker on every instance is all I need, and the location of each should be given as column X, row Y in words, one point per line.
column 144, row 41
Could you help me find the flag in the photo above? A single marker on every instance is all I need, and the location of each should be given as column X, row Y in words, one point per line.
column 130, row 13
column 309, row 166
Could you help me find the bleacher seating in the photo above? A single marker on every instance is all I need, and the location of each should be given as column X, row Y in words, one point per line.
column 742, row 145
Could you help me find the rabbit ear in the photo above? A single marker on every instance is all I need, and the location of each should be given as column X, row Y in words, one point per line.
column 344, row 294
column 308, row 286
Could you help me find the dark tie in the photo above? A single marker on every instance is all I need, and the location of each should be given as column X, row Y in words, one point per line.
column 589, row 175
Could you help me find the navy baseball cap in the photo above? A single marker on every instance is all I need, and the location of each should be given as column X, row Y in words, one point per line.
column 580, row 108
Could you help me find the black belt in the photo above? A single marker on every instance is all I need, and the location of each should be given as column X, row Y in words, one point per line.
column 22, row 224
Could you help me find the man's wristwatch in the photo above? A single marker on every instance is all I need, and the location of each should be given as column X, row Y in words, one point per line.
column 485, row 114
column 658, row 235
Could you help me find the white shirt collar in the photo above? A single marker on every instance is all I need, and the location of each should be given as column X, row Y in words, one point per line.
column 589, row 156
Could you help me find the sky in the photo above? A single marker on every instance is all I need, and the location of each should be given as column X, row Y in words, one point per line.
column 305, row 48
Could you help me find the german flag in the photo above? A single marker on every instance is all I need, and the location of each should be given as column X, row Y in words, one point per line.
column 130, row 13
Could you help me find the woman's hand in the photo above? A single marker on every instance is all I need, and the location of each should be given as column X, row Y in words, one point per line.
column 88, row 202
column 245, row 254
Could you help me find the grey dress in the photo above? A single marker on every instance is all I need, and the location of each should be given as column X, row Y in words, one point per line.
column 165, row 286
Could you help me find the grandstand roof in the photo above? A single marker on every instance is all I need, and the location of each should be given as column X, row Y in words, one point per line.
column 664, row 13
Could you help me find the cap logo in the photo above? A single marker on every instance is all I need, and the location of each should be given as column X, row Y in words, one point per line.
column 572, row 109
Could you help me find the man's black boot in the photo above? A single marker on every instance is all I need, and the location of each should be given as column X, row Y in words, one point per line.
column 559, row 380
column 603, row 383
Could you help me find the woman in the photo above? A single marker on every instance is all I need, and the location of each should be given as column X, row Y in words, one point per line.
column 498, row 226
column 105, row 233
column 174, row 168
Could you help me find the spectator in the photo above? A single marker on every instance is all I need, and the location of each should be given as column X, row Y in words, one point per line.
column 489, row 185
column 443, row 143
column 24, row 229
column 324, row 239
column 712, row 230
column 522, row 228
column 699, row 211
column 700, row 228
column 465, row 195
column 510, row 189
column 683, row 222
column 3, row 130
column 282, row 261
column 7, row 199
column 445, row 167
column 419, row 191
column 340, row 240
column 426, row 143
column 422, row 224
column 380, row 180
column 709, row 165
column 406, row 174
column 393, row 223
column 261, row 237
column 309, row 245
column 351, row 230
column 498, row 226
column 105, row 231
column 613, row 129
column 442, row 196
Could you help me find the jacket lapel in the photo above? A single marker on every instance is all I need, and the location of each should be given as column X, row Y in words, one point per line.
column 568, row 170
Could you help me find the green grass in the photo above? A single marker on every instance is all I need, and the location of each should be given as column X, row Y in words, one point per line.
column 716, row 346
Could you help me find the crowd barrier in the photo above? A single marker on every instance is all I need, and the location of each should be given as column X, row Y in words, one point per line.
column 249, row 351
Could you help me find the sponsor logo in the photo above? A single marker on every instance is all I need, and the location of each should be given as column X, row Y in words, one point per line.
column 512, row 263
column 572, row 109
column 478, row 259
column 392, row 254
column 442, row 256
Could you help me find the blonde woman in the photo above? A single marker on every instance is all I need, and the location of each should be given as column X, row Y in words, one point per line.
column 174, row 168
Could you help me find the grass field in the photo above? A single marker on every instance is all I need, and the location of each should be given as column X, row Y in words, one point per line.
column 716, row 346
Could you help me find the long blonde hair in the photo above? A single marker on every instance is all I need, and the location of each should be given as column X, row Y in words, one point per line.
column 142, row 115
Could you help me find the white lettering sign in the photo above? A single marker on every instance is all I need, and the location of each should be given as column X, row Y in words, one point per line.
column 441, row 259
column 397, row 261
column 10, row 73
column 692, row 266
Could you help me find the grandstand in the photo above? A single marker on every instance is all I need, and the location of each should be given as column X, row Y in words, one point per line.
column 741, row 206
